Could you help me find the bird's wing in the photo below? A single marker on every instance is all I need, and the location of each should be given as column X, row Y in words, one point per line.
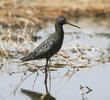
column 44, row 47
column 40, row 51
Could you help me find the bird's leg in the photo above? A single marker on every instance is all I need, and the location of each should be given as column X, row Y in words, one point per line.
column 49, row 75
column 46, row 75
column 49, row 61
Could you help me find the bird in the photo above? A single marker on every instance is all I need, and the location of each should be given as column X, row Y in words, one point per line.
column 50, row 46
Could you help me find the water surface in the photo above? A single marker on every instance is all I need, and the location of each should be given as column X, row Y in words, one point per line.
column 87, row 50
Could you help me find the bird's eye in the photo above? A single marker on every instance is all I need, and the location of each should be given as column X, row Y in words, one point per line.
column 61, row 19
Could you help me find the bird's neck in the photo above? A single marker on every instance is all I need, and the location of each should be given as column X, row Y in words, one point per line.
column 59, row 29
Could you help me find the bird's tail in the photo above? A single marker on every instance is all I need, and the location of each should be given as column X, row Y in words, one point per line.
column 26, row 58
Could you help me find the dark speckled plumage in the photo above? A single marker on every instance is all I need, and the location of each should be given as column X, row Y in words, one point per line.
column 51, row 45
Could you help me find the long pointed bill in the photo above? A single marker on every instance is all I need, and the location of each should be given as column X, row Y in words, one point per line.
column 72, row 24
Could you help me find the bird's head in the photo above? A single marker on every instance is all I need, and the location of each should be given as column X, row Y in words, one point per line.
column 62, row 21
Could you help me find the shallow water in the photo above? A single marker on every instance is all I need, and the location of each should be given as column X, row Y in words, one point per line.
column 67, row 83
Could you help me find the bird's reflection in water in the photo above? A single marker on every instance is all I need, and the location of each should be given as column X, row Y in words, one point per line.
column 37, row 96
column 40, row 96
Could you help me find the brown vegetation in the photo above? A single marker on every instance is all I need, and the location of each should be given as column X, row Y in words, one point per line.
column 33, row 12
